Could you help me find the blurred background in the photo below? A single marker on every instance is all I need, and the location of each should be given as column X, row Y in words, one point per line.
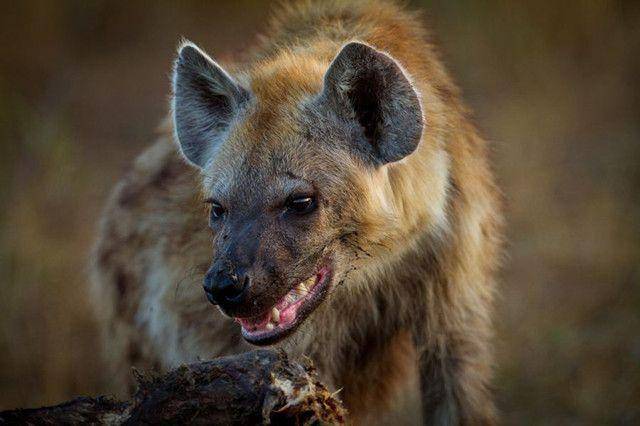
column 554, row 85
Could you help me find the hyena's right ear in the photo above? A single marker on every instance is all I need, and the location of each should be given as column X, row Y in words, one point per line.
column 368, row 87
column 206, row 100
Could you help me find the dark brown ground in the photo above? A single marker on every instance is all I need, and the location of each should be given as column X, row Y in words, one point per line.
column 555, row 85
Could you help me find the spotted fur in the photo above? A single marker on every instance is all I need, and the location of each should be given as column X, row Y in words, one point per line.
column 417, row 237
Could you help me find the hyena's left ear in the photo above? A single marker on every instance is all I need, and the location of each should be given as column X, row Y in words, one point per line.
column 206, row 100
column 370, row 88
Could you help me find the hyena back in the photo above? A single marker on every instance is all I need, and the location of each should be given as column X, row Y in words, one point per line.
column 353, row 217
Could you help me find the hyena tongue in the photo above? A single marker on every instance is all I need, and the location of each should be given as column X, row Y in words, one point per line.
column 255, row 323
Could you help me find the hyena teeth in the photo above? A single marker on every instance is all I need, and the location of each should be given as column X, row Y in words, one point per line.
column 270, row 326
column 275, row 315
column 310, row 282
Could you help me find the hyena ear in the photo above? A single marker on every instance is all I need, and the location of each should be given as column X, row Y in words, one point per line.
column 370, row 87
column 206, row 100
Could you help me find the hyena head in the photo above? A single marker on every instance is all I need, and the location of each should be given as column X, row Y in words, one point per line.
column 295, row 158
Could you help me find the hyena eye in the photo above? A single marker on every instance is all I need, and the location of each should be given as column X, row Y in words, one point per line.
column 301, row 204
column 217, row 211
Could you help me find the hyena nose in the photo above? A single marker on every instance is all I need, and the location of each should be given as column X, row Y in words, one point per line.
column 225, row 289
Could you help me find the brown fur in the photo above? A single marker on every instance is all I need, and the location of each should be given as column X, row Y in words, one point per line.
column 417, row 285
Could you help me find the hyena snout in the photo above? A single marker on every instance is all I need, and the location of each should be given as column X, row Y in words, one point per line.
column 226, row 288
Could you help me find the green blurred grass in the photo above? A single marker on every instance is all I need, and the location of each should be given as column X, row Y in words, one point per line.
column 554, row 86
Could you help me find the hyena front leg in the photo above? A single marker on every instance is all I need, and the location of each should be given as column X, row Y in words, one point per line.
column 454, row 381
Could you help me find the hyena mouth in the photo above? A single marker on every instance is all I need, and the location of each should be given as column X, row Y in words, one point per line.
column 289, row 312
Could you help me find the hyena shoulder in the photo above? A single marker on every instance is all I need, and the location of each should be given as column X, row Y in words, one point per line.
column 146, row 269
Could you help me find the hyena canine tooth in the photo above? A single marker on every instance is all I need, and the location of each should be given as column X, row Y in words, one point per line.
column 350, row 214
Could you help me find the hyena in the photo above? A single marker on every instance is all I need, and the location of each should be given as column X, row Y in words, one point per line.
column 333, row 198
